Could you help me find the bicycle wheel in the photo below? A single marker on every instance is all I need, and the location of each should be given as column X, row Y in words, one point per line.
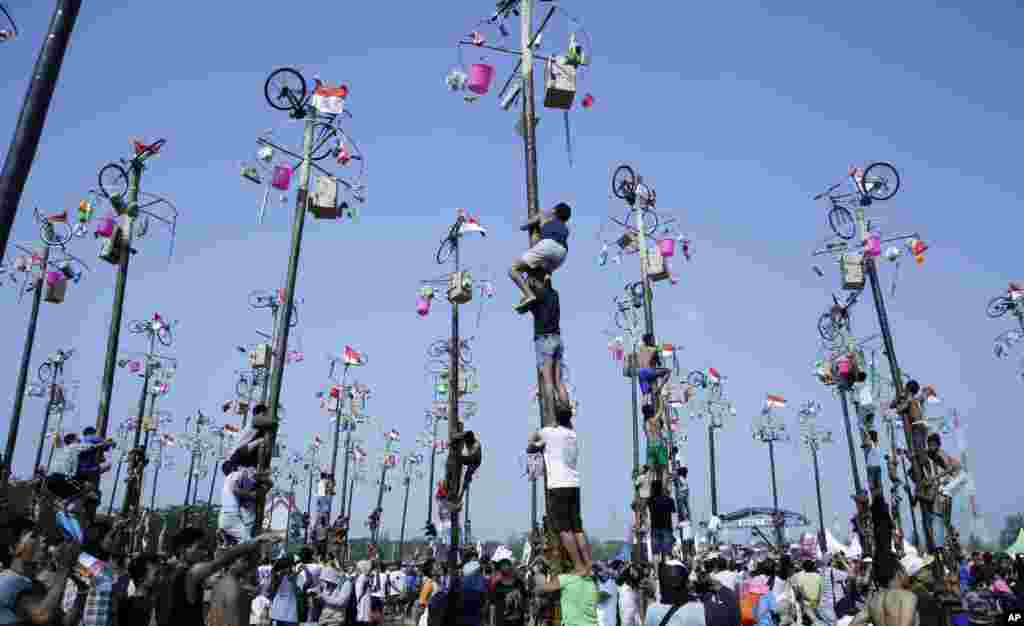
column 54, row 236
column 998, row 306
column 113, row 180
column 285, row 89
column 826, row 328
column 45, row 372
column 881, row 181
column 623, row 181
column 322, row 145
column 164, row 336
column 840, row 220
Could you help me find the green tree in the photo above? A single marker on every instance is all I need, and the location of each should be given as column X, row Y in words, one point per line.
column 1011, row 529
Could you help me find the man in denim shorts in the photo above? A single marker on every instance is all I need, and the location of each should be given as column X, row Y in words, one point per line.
column 547, row 342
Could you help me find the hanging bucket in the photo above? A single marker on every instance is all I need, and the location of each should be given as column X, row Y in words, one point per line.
column 422, row 306
column 480, row 75
column 53, row 278
column 843, row 366
column 873, row 245
column 667, row 247
column 282, row 177
column 105, row 227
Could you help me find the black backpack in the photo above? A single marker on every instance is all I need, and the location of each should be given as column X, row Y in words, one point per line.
column 438, row 607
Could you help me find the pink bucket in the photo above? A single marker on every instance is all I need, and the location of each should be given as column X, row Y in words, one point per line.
column 480, row 75
column 873, row 245
column 53, row 278
column 105, row 227
column 282, row 177
column 843, row 366
column 667, row 247
column 422, row 306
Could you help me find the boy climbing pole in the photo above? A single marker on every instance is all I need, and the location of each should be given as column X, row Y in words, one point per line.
column 547, row 342
column 560, row 446
column 545, row 256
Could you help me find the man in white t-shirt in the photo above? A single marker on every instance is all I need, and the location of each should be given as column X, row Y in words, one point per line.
column 561, row 452
column 237, row 503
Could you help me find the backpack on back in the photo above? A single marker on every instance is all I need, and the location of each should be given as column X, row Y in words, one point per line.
column 748, row 607
column 438, row 608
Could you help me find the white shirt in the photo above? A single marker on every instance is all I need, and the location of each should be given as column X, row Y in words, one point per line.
column 363, row 598
column 228, row 500
column 260, row 606
column 561, row 454
column 726, row 579
column 607, row 603
column 629, row 603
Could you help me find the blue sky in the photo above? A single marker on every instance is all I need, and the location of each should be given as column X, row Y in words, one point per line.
column 737, row 112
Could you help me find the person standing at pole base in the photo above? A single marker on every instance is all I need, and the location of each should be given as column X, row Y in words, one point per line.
column 560, row 446
column 545, row 256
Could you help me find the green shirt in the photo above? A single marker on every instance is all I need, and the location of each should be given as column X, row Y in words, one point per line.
column 579, row 600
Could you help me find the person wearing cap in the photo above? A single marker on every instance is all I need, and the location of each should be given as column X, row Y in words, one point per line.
column 507, row 594
column 895, row 604
column 677, row 605
column 334, row 594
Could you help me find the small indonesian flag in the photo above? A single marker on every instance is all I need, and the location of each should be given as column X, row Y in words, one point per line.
column 317, row 441
column 231, row 428
column 775, row 402
column 713, row 376
column 335, row 391
column 330, row 100
column 352, row 357
column 667, row 351
column 472, row 225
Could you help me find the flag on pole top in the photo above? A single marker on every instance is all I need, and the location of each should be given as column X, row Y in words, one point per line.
column 472, row 225
column 352, row 357
column 713, row 376
column 775, row 402
column 667, row 351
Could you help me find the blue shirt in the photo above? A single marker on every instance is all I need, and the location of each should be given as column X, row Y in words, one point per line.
column 763, row 612
column 555, row 230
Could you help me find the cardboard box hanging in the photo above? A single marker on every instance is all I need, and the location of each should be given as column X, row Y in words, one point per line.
column 559, row 84
column 324, row 200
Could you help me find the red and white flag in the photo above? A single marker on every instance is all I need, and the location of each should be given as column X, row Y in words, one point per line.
column 330, row 100
column 667, row 351
column 352, row 357
column 775, row 402
column 714, row 377
column 231, row 428
column 472, row 225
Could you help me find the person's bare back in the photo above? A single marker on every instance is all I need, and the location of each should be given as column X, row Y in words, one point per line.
column 890, row 607
column 230, row 603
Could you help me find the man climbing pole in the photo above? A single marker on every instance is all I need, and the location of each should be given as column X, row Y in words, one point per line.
column 560, row 446
column 547, row 343
column 545, row 255
column 470, row 457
